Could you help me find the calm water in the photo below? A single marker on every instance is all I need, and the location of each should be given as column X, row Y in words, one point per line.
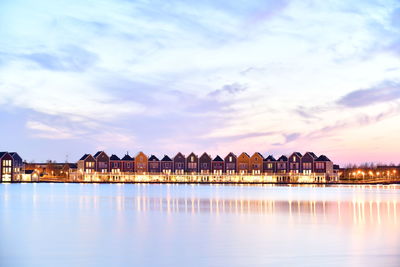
column 198, row 225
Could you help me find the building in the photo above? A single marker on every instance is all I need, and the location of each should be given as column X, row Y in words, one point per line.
column 243, row 163
column 127, row 164
column 282, row 164
column 141, row 163
column 217, row 165
column 295, row 162
column 205, row 164
column 166, row 165
column 18, row 166
column 87, row 164
column 102, row 162
column 6, row 167
column 115, row 164
column 230, row 163
column 179, row 163
column 67, row 169
column 307, row 162
column 154, row 165
column 192, row 163
column 323, row 165
column 269, row 165
column 256, row 163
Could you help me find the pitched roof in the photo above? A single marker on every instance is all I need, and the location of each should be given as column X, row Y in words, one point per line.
column 218, row 158
column 312, row 154
column 127, row 157
column 322, row 158
column 2, row 154
column 72, row 165
column 297, row 154
column 98, row 154
column 282, row 158
column 231, row 154
column 259, row 154
column 153, row 158
column 205, row 154
column 84, row 157
column 166, row 158
column 270, row 158
column 114, row 157
column 245, row 154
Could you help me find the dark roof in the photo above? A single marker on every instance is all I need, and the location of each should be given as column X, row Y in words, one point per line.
column 2, row 154
column 218, row 158
column 114, row 157
column 336, row 167
column 84, row 156
column 127, row 157
column 282, row 158
column 205, row 154
column 245, row 154
column 98, row 153
column 322, row 158
column 166, row 158
column 231, row 154
column 270, row 158
column 72, row 165
column 153, row 158
column 312, row 154
column 297, row 154
column 259, row 155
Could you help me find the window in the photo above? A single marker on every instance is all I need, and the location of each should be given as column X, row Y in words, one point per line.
column 230, row 158
column 204, row 165
column 192, row 165
column 294, row 159
column 89, row 164
column 269, row 165
column 7, row 163
column 307, row 165
column 319, row 165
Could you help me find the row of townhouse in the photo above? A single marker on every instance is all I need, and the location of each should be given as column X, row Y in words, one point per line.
column 11, row 166
column 193, row 164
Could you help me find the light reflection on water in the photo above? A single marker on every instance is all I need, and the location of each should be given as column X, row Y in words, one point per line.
column 206, row 225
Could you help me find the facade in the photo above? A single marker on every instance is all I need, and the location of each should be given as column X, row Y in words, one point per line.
column 230, row 163
column 18, row 166
column 282, row 164
column 323, row 165
column 141, row 163
column 179, row 163
column 167, row 165
column 243, row 163
column 205, row 164
column 217, row 165
column 127, row 164
column 256, row 163
column 269, row 165
column 6, row 167
column 102, row 162
column 87, row 164
column 307, row 162
column 192, row 163
column 295, row 162
column 115, row 164
column 154, row 165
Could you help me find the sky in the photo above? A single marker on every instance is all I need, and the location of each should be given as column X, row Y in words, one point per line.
column 217, row 76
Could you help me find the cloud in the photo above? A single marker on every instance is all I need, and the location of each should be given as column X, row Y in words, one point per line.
column 67, row 59
column 46, row 131
column 385, row 92
column 229, row 89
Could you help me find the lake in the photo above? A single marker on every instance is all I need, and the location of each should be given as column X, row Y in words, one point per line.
column 198, row 225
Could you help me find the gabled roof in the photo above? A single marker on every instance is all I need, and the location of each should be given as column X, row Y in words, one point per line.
column 72, row 165
column 322, row 158
column 297, row 154
column 127, row 157
column 166, row 158
column 179, row 154
column 218, row 158
column 231, row 154
column 205, row 154
column 153, row 158
column 84, row 156
column 2, row 154
column 282, row 158
column 270, row 158
column 312, row 154
column 114, row 157
column 259, row 154
column 14, row 154
column 98, row 154
column 245, row 154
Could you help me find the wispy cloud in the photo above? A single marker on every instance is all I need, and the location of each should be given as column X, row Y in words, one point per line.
column 388, row 91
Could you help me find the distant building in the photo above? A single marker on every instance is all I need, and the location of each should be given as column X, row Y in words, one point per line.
column 324, row 165
column 18, row 166
column 166, row 165
column 115, row 164
column 141, row 163
column 179, row 163
column 282, row 164
column 230, row 163
column 205, row 163
column 307, row 162
column 87, row 164
column 192, row 163
column 154, row 165
column 243, row 163
column 127, row 164
column 217, row 165
column 102, row 162
column 256, row 163
column 6, row 167
column 269, row 165
column 295, row 162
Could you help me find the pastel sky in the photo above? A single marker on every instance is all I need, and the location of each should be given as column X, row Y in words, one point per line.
column 218, row 76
